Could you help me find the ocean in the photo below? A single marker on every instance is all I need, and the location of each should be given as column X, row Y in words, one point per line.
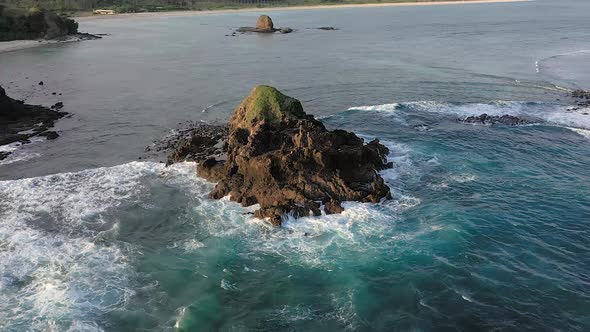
column 488, row 226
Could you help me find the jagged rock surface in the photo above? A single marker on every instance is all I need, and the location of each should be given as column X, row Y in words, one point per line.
column 485, row 119
column 288, row 162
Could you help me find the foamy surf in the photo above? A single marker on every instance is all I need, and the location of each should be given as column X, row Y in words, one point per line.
column 61, row 267
column 552, row 114
column 20, row 151
column 579, row 131
column 76, row 218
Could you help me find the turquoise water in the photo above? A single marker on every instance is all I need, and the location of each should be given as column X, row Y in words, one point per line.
column 488, row 226
column 487, row 230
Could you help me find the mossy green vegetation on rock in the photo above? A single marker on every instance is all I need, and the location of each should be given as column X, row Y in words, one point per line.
column 266, row 104
column 288, row 162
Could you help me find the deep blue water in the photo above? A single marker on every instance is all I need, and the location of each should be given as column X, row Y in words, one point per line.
column 488, row 228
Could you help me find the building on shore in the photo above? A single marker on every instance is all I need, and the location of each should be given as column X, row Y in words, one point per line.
column 103, row 12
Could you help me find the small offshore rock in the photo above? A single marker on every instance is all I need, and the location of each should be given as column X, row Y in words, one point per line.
column 41, row 83
column 50, row 135
column 327, row 28
column 57, row 106
column 581, row 94
column 486, row 119
column 265, row 23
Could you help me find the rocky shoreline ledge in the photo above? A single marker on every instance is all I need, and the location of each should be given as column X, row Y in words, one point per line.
column 19, row 121
column 274, row 154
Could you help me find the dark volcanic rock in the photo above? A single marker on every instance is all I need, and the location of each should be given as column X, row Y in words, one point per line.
column 19, row 121
column 485, row 119
column 50, row 135
column 57, row 106
column 201, row 143
column 193, row 142
column 288, row 162
column 583, row 102
column 581, row 94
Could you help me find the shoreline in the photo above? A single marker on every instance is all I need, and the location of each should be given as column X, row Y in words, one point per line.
column 21, row 44
column 15, row 45
column 290, row 8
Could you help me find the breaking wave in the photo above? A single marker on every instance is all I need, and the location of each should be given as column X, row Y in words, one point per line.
column 551, row 114
column 61, row 267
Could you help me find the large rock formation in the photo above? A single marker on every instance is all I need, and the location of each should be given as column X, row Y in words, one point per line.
column 288, row 162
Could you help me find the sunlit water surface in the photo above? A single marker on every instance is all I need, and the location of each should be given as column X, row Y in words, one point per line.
column 488, row 228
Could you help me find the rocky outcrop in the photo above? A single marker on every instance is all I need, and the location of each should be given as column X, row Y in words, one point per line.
column 192, row 141
column 485, row 119
column 581, row 94
column 582, row 98
column 199, row 143
column 287, row 162
column 19, row 121
column 264, row 25
column 34, row 24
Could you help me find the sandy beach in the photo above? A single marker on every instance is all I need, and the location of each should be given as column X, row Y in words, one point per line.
column 272, row 9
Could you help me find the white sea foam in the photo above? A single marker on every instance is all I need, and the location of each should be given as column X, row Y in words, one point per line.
column 59, row 230
column 19, row 151
column 582, row 132
column 383, row 108
column 181, row 312
column 226, row 285
column 553, row 114
column 58, row 271
column 463, row 178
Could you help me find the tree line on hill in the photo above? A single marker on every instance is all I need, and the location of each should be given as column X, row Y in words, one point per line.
column 125, row 6
column 34, row 23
